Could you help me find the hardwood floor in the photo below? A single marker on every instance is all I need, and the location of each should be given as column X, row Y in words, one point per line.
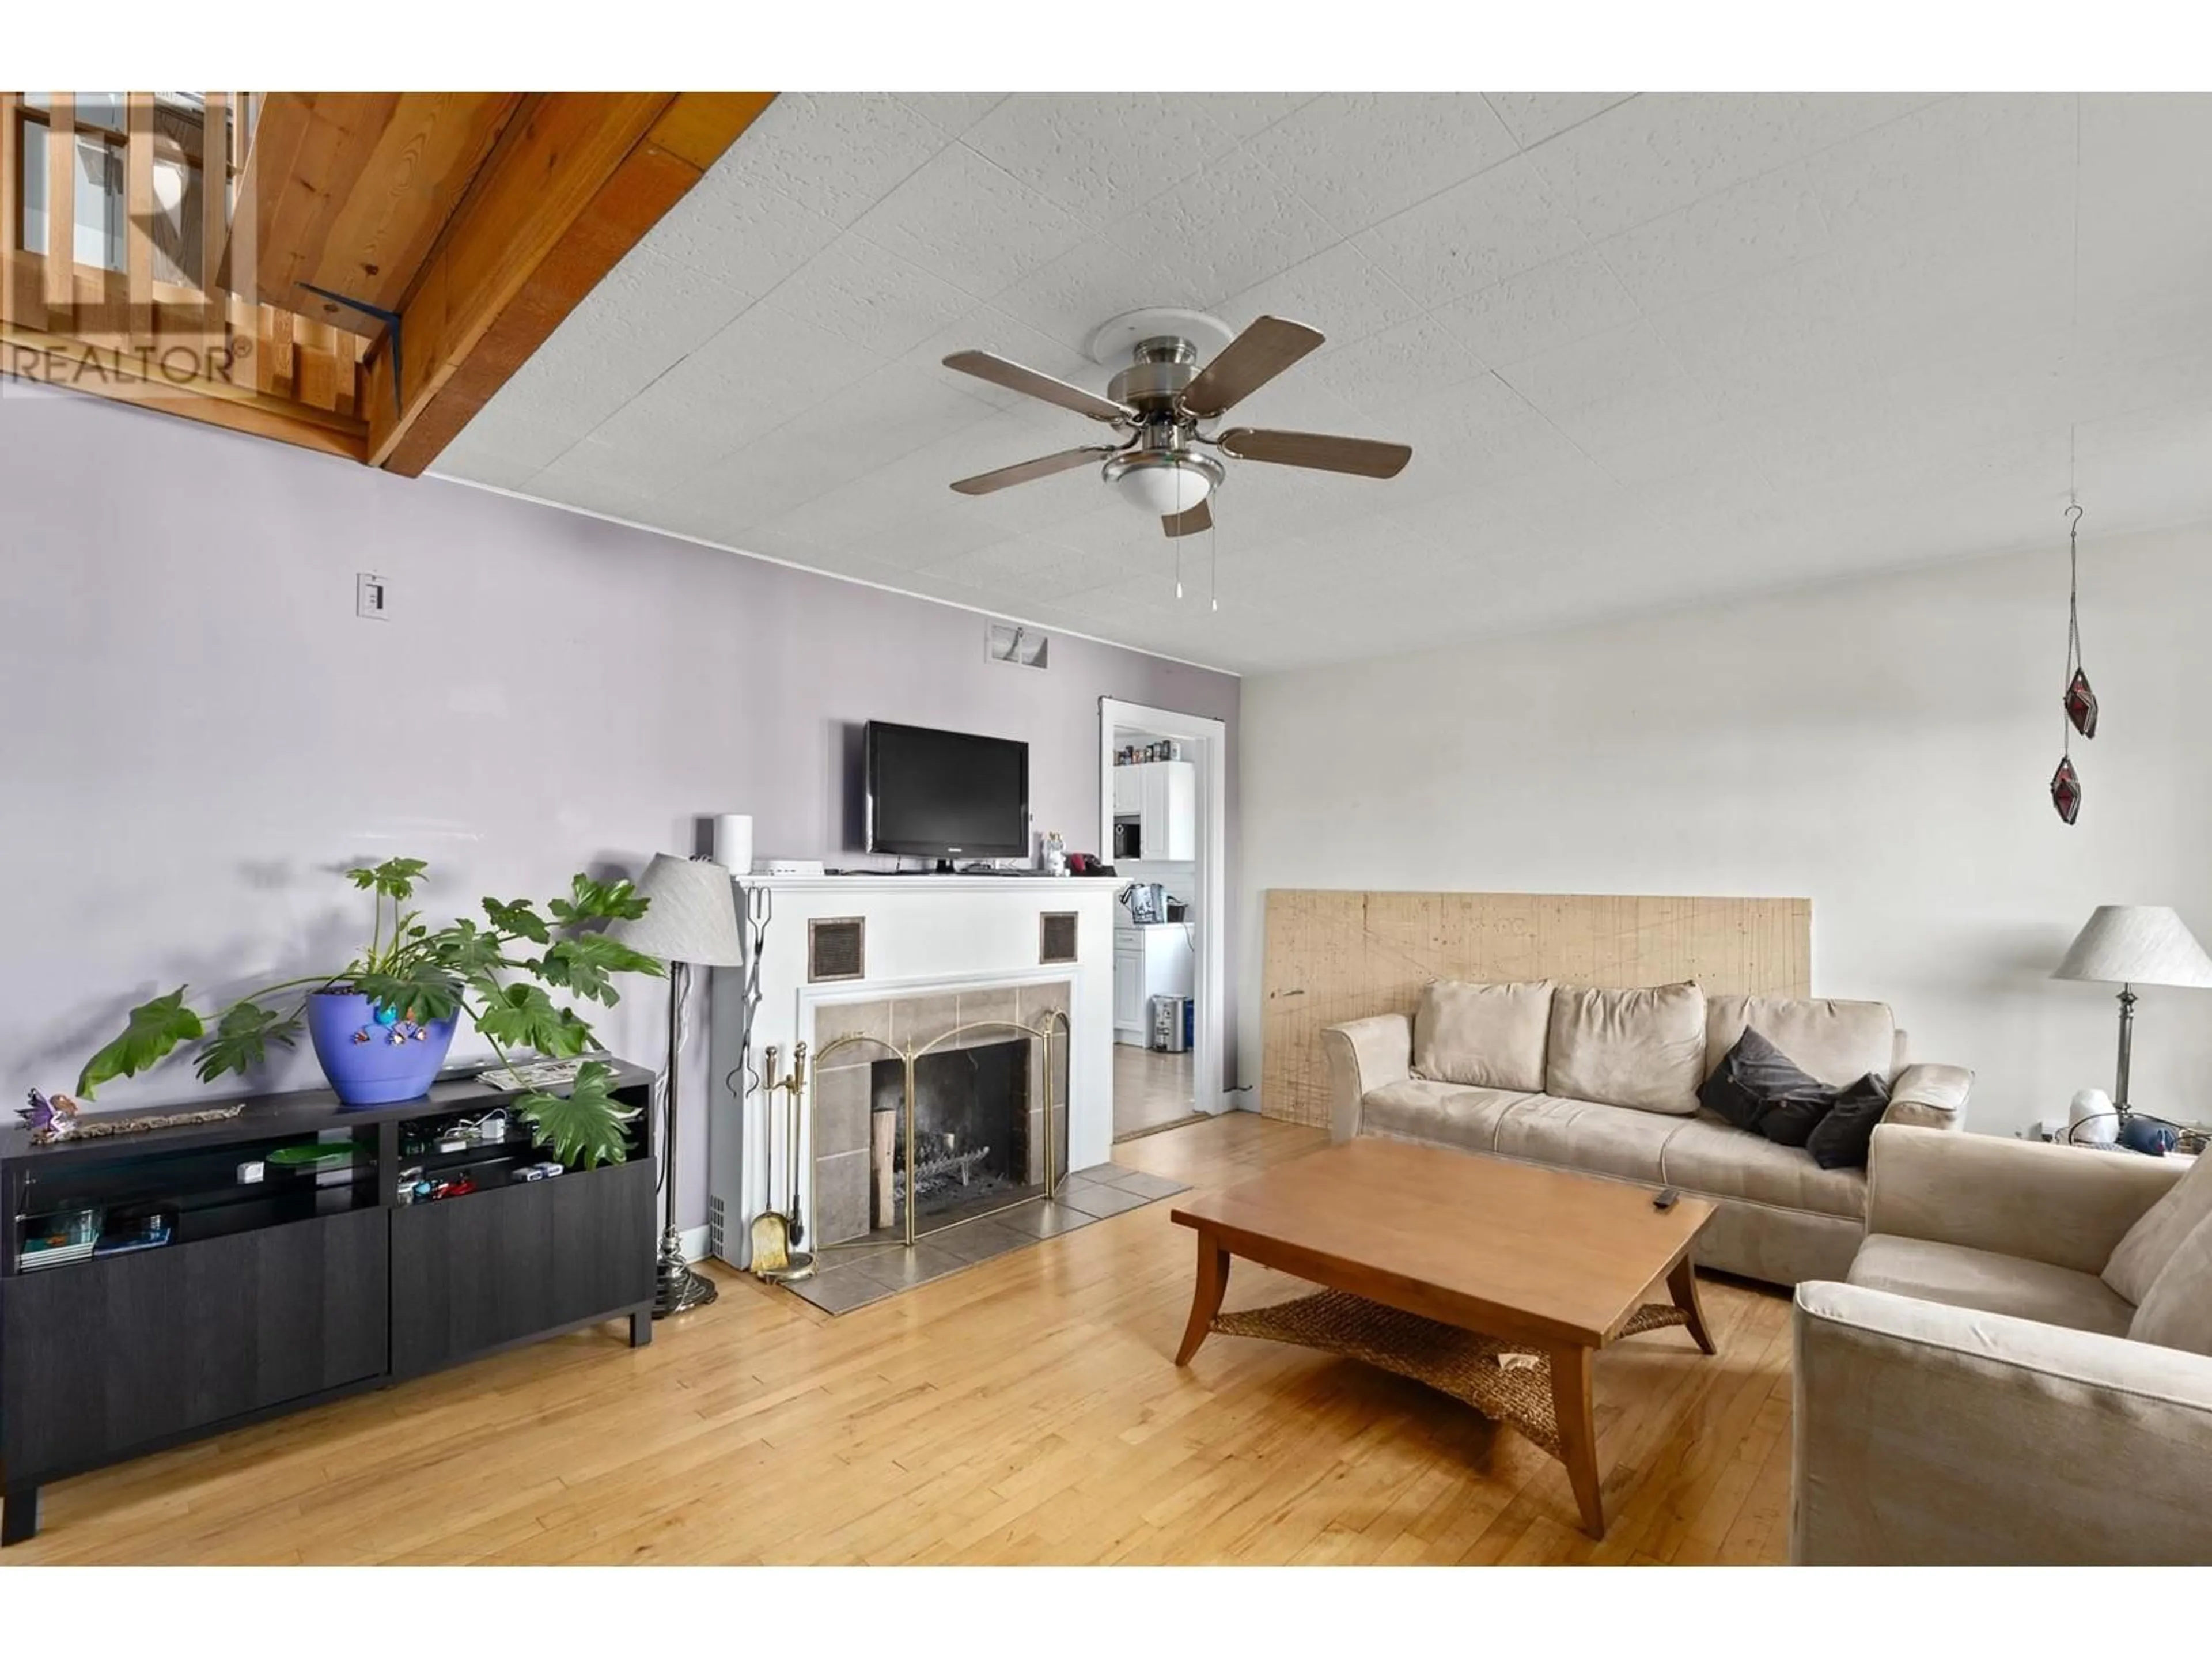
column 1150, row 1089
column 1026, row 1410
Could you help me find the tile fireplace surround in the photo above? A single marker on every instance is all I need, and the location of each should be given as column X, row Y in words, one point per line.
column 938, row 951
column 857, row 1082
column 863, row 1273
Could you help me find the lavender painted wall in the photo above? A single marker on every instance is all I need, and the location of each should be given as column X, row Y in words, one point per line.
column 200, row 731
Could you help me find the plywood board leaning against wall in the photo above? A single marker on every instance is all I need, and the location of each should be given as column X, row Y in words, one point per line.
column 1334, row 955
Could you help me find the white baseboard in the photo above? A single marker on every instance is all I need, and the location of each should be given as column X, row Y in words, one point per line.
column 694, row 1242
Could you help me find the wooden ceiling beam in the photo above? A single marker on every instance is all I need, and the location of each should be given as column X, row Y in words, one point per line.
column 574, row 182
column 347, row 192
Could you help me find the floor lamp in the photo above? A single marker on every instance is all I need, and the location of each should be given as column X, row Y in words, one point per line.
column 691, row 920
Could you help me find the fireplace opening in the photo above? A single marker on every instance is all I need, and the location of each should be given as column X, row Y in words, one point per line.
column 971, row 1134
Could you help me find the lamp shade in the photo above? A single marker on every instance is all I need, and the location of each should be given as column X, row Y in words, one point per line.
column 2136, row 944
column 693, row 915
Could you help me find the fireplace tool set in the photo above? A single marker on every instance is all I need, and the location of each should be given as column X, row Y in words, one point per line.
column 777, row 1236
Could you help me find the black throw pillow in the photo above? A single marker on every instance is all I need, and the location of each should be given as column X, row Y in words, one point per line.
column 1793, row 1120
column 1841, row 1139
column 1751, row 1078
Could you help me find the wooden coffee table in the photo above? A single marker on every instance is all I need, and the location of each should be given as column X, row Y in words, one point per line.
column 1438, row 1264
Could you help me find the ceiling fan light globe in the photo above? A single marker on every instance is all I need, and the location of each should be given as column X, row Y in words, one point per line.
column 1162, row 489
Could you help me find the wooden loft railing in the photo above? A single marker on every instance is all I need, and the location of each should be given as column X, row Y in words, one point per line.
column 147, row 319
column 357, row 272
column 159, row 313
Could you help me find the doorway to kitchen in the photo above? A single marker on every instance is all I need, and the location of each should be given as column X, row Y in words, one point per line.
column 1161, row 800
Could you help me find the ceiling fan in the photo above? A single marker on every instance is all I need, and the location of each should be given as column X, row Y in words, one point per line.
column 1161, row 404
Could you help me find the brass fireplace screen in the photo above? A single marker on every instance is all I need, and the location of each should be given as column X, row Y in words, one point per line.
column 1054, row 1022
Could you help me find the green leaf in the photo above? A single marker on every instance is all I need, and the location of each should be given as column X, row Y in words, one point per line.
column 584, row 1128
column 582, row 964
column 242, row 1037
column 524, row 1017
column 471, row 954
column 153, row 1030
column 599, row 901
column 416, row 989
column 394, row 878
column 519, row 919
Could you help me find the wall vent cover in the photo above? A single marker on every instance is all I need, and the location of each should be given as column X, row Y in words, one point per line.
column 1056, row 936
column 1013, row 642
column 836, row 948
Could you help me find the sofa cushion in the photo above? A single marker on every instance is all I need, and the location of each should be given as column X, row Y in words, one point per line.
column 1838, row 1043
column 1587, row 1134
column 1644, row 1048
column 2177, row 1312
column 1420, row 1109
column 1712, row 1156
column 1965, row 1277
column 1489, row 1036
column 2145, row 1248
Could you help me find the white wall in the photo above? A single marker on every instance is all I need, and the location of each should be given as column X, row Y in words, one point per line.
column 199, row 731
column 1883, row 748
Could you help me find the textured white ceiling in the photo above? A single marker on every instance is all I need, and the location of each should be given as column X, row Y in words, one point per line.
column 1647, row 348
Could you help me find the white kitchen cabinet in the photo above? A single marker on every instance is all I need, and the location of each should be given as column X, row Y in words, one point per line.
column 1167, row 806
column 1128, row 987
column 1154, row 961
column 1129, row 792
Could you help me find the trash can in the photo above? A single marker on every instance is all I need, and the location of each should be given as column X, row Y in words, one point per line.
column 1170, row 1024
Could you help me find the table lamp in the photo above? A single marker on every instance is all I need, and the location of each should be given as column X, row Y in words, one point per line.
column 693, row 918
column 2132, row 944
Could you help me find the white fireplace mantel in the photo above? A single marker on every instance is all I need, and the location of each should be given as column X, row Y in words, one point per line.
column 924, row 934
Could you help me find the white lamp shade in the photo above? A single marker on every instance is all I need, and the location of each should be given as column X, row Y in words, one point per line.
column 1160, row 490
column 2136, row 944
column 693, row 915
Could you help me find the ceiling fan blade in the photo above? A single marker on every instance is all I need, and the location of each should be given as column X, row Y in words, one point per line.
column 1247, row 363
column 1043, row 467
column 1190, row 521
column 1364, row 456
column 1000, row 371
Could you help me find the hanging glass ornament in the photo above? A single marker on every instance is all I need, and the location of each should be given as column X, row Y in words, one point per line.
column 2082, row 704
column 2080, row 701
column 2066, row 791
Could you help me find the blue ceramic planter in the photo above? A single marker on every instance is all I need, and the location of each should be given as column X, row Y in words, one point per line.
column 371, row 1055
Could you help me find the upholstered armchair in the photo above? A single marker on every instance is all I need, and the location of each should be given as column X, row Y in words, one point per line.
column 1984, row 1390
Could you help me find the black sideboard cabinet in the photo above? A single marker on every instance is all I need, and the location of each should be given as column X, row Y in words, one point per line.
column 285, row 1284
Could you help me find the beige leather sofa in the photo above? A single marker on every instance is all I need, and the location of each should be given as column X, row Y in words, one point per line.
column 2017, row 1370
column 1605, row 1082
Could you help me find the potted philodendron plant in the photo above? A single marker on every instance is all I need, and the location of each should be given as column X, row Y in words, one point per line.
column 382, row 1024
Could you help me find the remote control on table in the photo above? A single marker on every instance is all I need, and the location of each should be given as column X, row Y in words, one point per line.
column 1665, row 1199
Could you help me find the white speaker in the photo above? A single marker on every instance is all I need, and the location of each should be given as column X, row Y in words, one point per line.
column 733, row 842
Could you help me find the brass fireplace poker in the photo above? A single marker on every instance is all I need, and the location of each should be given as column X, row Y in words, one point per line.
column 777, row 1236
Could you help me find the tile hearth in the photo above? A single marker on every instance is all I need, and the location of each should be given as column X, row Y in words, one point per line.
column 862, row 1272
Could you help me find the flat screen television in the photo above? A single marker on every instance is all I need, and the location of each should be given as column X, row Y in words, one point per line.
column 946, row 795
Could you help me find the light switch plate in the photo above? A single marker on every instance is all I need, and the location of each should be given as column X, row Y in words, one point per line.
column 372, row 593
